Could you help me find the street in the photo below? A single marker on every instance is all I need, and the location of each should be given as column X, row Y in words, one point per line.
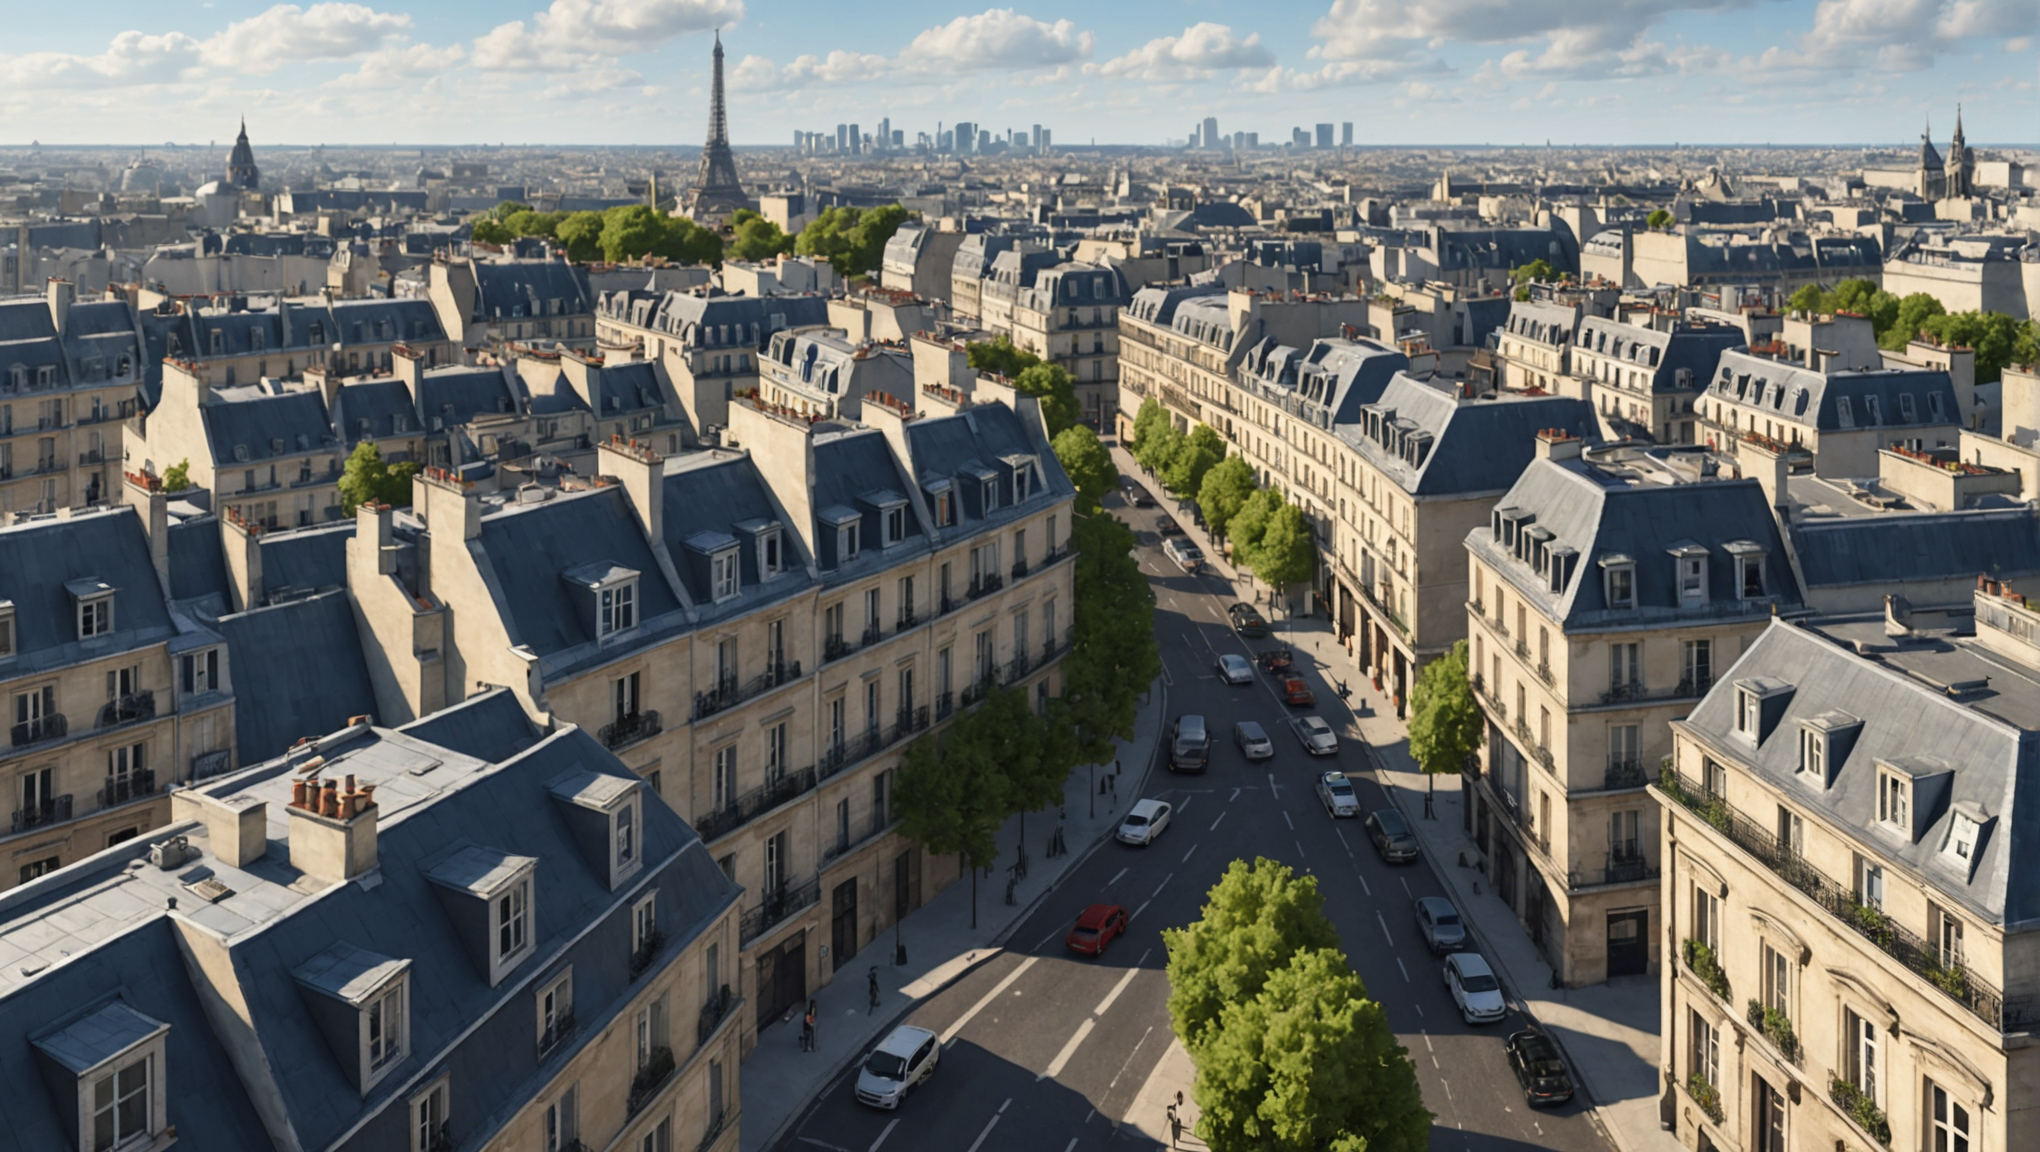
column 1046, row 1050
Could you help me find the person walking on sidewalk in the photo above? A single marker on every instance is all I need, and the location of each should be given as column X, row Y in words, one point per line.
column 807, row 1029
column 874, row 991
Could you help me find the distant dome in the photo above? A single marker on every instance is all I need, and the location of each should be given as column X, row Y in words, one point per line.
column 213, row 188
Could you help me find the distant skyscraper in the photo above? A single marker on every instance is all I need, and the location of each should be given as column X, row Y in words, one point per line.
column 984, row 140
column 1324, row 136
column 1036, row 138
column 241, row 170
column 856, row 141
column 716, row 186
column 1346, row 134
column 1299, row 138
column 1046, row 140
column 966, row 138
column 884, row 137
column 1211, row 139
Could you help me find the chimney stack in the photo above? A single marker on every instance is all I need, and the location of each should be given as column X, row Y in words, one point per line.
column 451, row 509
column 642, row 472
column 1557, row 444
column 409, row 367
column 146, row 493
column 332, row 829
column 243, row 545
column 60, row 294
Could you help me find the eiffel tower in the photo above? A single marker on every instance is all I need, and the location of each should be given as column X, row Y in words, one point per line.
column 716, row 189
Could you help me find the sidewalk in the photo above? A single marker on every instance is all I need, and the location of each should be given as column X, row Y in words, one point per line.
column 1609, row 1031
column 780, row 1081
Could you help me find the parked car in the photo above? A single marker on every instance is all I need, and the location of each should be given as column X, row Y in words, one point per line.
column 1317, row 736
column 1189, row 745
column 902, row 1062
column 1140, row 496
column 1439, row 921
column 1247, row 622
column 1144, row 822
column 1273, row 661
column 1392, row 836
column 1336, row 793
column 1252, row 741
column 1474, row 988
column 1167, row 526
column 1297, row 694
column 1187, row 556
column 1538, row 1068
column 1097, row 926
column 1233, row 668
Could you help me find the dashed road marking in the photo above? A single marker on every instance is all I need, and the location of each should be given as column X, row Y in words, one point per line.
column 1235, row 795
column 894, row 1123
column 1163, row 884
column 1406, row 980
column 1273, row 790
column 1406, row 887
column 1141, row 909
column 1384, row 929
column 1187, row 855
column 1129, row 1060
column 989, row 1125
column 1115, row 878
column 1221, row 815
column 1069, row 1049
column 1106, row 1003
column 1288, row 821
column 1299, row 850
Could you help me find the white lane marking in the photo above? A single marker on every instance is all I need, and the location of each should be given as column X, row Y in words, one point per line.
column 1434, row 1061
column 1419, row 1008
column 1073, row 1139
column 998, row 989
column 1272, row 789
column 1299, row 850
column 1129, row 1059
column 1221, row 816
column 1186, row 855
column 1087, row 1120
column 1406, row 887
column 1184, row 804
column 1448, row 1094
column 1341, row 834
column 1405, row 971
column 1139, row 910
column 1163, row 884
column 894, row 1123
column 1288, row 821
column 1235, row 795
column 1115, row 878
column 1384, row 930
column 989, row 1125
column 1002, row 1107
column 1166, row 678
column 1045, row 941
column 1069, row 1049
column 1427, row 1042
column 1117, row 989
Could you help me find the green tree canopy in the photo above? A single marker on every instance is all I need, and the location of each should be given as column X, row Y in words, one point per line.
column 1993, row 336
column 1445, row 723
column 1250, row 523
column 1207, row 438
column 1159, row 447
column 1148, row 419
column 757, row 238
column 581, row 233
column 1184, row 476
column 1051, row 384
column 507, row 208
column 367, row 480
column 1032, row 756
column 1539, row 269
column 1286, row 553
column 1255, row 919
column 1308, row 1064
column 525, row 222
column 1658, row 219
column 177, row 477
column 1113, row 657
column 952, row 795
column 490, row 231
column 1088, row 464
column 1913, row 312
column 1001, row 356
column 634, row 231
column 1226, row 487
column 851, row 239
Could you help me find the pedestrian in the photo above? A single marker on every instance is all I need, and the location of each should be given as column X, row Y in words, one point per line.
column 874, row 991
column 807, row 1029
column 1175, row 1127
column 1115, row 765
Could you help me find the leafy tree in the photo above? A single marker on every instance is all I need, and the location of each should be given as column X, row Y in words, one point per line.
column 1658, row 219
column 1159, row 447
column 757, row 238
column 1148, row 419
column 1207, row 437
column 851, row 239
column 1539, row 269
column 1226, row 487
column 1088, row 464
column 1051, row 384
column 1445, row 723
column 1310, row 1063
column 633, row 231
column 177, row 477
column 490, row 231
column 1993, row 336
column 1255, row 919
column 2026, row 347
column 952, row 796
column 367, row 480
column 1113, row 657
column 1001, row 356
column 581, row 232
column 1035, row 757
column 529, row 223
column 1184, row 476
column 1250, row 523
column 508, row 208
column 1913, row 312
column 1286, row 553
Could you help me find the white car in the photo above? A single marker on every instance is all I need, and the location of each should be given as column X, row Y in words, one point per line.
column 1144, row 823
column 1317, row 736
column 902, row 1062
column 1234, row 668
column 1336, row 792
column 1474, row 988
column 1253, row 741
column 1187, row 556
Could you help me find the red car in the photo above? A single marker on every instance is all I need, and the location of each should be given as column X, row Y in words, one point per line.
column 1298, row 694
column 1096, row 928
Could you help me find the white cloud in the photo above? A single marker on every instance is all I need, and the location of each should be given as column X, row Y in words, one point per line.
column 1200, row 51
column 1366, row 29
column 287, row 34
column 573, row 35
column 402, row 64
column 997, row 38
column 132, row 58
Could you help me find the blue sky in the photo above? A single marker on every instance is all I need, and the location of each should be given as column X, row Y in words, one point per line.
column 1404, row 71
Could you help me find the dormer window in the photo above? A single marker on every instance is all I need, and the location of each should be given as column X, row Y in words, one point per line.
column 895, row 525
column 6, row 629
column 513, row 922
column 1020, row 474
column 384, row 1026
column 770, row 556
column 945, row 508
column 488, row 894
column 1618, row 577
column 94, row 598
column 849, row 541
column 723, row 574
column 116, row 1055
column 1813, row 753
column 991, row 495
column 1844, row 416
column 1962, row 835
column 361, row 1002
column 1894, row 801
column 1749, row 569
column 1748, row 713
column 617, row 608
column 607, row 815
column 1689, row 571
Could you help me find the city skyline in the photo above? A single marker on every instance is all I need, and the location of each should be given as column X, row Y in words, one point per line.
column 1450, row 72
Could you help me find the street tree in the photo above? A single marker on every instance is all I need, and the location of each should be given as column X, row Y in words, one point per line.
column 366, row 479
column 1445, row 723
column 1113, row 657
column 1052, row 386
column 1000, row 356
column 1184, row 476
column 1255, row 919
column 1225, row 489
column 1088, row 465
column 1250, row 523
column 490, row 231
column 756, row 238
column 1286, row 553
column 1159, row 447
column 1309, row 1063
column 1913, row 312
column 952, row 796
column 1658, row 220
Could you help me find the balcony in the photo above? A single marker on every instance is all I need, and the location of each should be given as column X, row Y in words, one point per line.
column 873, row 633
column 88, row 459
column 1776, row 1028
column 947, row 604
column 835, row 648
column 211, row 763
column 630, row 728
column 718, row 1124
column 980, row 688
column 1690, row 688
column 777, row 906
column 1909, row 951
column 51, row 727
column 647, row 951
column 713, row 1013
column 54, row 810
column 846, row 844
column 657, row 1070
column 133, row 786
column 128, row 708
column 984, row 584
column 1860, row 1109
column 1544, row 673
column 1019, row 569
column 1618, row 868
column 907, row 620
column 1533, row 745
column 1623, row 772
column 1018, row 668
column 945, row 703
column 1055, row 555
column 755, row 803
column 729, row 693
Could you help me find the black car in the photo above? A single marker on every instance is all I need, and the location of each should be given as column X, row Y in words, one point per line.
column 1166, row 525
column 1141, row 499
column 1538, row 1067
column 1247, row 622
column 1392, row 836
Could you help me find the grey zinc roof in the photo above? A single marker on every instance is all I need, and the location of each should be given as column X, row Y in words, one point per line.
column 1901, row 547
column 298, row 671
column 39, row 558
column 98, row 1036
column 847, row 469
column 1696, row 350
column 198, row 566
column 1157, row 305
column 254, row 418
column 966, row 444
column 306, row 559
column 1904, row 720
column 490, row 726
column 471, row 392
column 525, row 288
column 528, row 546
column 1799, row 395
column 1475, row 445
column 379, row 402
column 720, row 497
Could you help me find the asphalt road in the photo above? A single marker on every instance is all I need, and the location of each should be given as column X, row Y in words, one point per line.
column 1044, row 1050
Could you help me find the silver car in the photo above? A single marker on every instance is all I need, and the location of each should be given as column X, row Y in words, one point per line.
column 1187, row 556
column 1316, row 735
column 1234, row 668
column 1252, row 741
column 1439, row 921
column 1144, row 823
column 1474, row 988
column 1336, row 793
column 901, row 1062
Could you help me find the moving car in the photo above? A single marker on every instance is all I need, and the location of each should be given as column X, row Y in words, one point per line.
column 1336, row 793
column 1535, row 1061
column 1234, row 669
column 1144, row 823
column 1141, row 499
column 1167, row 526
column 1474, row 988
column 1189, row 745
column 1099, row 925
column 1187, row 556
column 1392, row 836
column 1439, row 921
column 1273, row 661
column 1253, row 741
column 902, row 1062
column 1317, row 736
column 1297, row 694
column 1247, row 622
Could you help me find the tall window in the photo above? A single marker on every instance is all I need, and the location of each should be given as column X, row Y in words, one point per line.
column 1706, row 1053
column 775, row 751
column 1625, row 668
column 120, row 1104
column 1622, row 842
column 95, row 617
column 1706, row 917
column 1859, row 1057
column 623, row 696
column 1625, row 747
column 775, row 864
column 1947, row 1121
column 725, row 770
column 618, row 608
column 1697, row 668
column 723, row 574
column 1894, row 801
column 872, row 625
column 386, row 1027
column 513, row 920
column 1869, row 883
column 1777, row 981
column 428, row 1118
column 1945, row 933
